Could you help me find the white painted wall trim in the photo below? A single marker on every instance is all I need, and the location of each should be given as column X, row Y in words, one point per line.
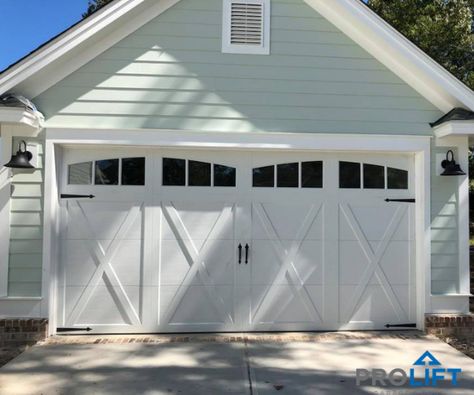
column 420, row 146
column 5, row 193
column 20, row 116
column 454, row 128
column 196, row 139
column 462, row 157
column 40, row 71
column 423, row 233
column 391, row 48
column 20, row 308
column 50, row 235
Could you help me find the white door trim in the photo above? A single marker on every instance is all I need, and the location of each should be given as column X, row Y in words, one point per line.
column 419, row 145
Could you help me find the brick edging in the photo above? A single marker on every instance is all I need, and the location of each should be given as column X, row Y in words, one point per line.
column 22, row 331
column 459, row 325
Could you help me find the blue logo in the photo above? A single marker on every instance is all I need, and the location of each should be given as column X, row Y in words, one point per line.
column 429, row 369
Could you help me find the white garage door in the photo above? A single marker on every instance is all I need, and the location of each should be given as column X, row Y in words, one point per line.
column 184, row 241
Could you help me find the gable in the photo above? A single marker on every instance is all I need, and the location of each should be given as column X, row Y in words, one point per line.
column 172, row 74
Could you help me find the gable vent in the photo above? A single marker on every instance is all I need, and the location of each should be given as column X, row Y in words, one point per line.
column 246, row 26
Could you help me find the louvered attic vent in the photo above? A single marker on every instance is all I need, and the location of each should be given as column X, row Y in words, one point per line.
column 246, row 27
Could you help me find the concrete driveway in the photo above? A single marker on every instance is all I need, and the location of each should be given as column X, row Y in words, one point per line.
column 229, row 366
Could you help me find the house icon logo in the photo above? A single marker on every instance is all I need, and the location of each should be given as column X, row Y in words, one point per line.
column 427, row 371
column 427, row 359
column 431, row 372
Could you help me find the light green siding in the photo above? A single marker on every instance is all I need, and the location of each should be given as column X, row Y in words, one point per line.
column 26, row 234
column 171, row 74
column 444, row 228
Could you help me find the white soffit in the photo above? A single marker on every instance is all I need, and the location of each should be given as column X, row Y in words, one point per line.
column 396, row 52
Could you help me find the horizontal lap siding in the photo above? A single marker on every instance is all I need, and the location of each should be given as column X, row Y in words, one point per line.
column 171, row 74
column 26, row 230
column 444, row 229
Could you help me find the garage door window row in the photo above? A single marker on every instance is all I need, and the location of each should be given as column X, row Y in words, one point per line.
column 183, row 172
column 289, row 175
column 352, row 174
column 125, row 171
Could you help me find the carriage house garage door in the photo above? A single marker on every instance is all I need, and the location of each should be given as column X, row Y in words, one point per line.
column 196, row 241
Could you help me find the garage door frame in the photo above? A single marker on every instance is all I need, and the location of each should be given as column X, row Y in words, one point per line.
column 57, row 137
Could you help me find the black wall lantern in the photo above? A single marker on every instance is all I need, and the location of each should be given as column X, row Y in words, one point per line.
column 451, row 168
column 21, row 160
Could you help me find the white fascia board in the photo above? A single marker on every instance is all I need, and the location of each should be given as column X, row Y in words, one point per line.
column 396, row 52
column 11, row 115
column 44, row 62
column 454, row 128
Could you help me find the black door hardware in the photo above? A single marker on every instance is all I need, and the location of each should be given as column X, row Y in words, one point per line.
column 66, row 196
column 401, row 200
column 59, row 330
column 240, row 253
column 400, row 326
column 247, row 253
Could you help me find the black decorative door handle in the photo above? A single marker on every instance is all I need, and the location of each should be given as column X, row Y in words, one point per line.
column 240, row 253
column 247, row 247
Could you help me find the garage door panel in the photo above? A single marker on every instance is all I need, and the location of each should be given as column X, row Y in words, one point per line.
column 166, row 259
column 199, row 221
column 373, row 230
column 285, row 221
column 103, row 307
column 285, row 304
column 104, row 220
column 352, row 262
column 198, row 305
column 397, row 261
column 218, row 261
column 375, row 306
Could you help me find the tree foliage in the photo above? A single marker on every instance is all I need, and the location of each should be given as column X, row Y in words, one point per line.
column 441, row 28
column 94, row 5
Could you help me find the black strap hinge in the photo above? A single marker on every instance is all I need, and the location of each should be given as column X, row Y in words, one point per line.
column 401, row 200
column 59, row 330
column 66, row 196
column 400, row 325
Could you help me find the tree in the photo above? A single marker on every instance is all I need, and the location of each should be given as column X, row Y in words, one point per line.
column 441, row 28
column 95, row 5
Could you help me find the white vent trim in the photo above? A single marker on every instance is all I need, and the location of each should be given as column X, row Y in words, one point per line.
column 246, row 27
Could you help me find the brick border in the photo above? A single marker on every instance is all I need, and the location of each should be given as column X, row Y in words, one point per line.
column 19, row 332
column 458, row 325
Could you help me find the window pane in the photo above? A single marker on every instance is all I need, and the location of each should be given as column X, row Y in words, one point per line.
column 106, row 172
column 133, row 171
column 224, row 176
column 264, row 176
column 80, row 174
column 397, row 179
column 174, row 171
column 287, row 175
column 374, row 177
column 199, row 174
column 312, row 174
column 349, row 175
